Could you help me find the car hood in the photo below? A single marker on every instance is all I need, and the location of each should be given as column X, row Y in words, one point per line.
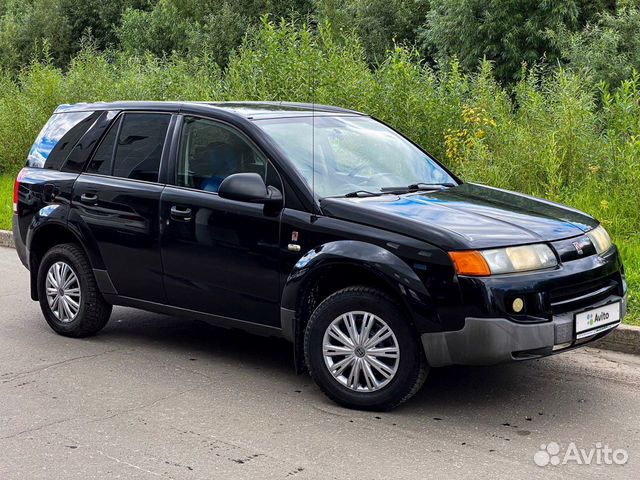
column 468, row 216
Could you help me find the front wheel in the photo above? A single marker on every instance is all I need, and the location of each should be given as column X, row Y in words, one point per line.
column 69, row 296
column 362, row 352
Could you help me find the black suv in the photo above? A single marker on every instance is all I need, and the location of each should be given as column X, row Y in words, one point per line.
column 314, row 223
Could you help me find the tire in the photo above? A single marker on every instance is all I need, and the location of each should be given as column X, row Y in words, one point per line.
column 364, row 387
column 90, row 311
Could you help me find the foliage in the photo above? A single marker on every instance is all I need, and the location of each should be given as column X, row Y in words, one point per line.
column 507, row 32
column 607, row 49
column 29, row 27
column 6, row 201
column 378, row 23
column 594, row 35
column 195, row 26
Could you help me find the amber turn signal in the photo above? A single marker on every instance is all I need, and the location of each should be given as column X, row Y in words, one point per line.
column 470, row 262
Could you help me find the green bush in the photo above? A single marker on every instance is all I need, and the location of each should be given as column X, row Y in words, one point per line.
column 557, row 136
column 195, row 26
column 507, row 32
column 378, row 23
column 29, row 27
column 607, row 49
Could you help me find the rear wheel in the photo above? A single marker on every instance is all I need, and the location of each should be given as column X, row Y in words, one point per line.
column 69, row 297
column 362, row 352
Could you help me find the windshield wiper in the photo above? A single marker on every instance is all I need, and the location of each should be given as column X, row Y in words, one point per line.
column 422, row 185
column 416, row 187
column 362, row 193
column 399, row 190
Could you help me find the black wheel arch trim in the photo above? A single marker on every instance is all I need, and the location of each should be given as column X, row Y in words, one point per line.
column 39, row 226
column 384, row 266
column 382, row 263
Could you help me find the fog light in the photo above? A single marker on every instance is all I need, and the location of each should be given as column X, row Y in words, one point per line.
column 517, row 305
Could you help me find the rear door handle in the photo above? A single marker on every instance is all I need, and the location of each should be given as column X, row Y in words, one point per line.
column 89, row 198
column 180, row 213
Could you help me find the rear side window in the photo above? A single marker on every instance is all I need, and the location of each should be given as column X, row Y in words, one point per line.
column 133, row 147
column 58, row 137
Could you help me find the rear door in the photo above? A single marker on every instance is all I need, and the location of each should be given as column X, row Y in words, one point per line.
column 116, row 202
column 220, row 256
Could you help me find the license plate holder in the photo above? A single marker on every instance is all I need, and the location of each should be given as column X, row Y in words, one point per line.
column 597, row 319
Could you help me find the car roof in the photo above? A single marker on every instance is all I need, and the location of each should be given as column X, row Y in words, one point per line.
column 248, row 110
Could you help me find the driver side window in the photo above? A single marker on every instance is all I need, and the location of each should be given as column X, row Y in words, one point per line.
column 211, row 151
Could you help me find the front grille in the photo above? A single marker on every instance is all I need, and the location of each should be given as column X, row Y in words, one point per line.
column 575, row 297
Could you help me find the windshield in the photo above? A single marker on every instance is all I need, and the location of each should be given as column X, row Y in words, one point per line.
column 352, row 153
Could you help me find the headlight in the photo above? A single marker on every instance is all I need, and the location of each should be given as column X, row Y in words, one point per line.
column 524, row 258
column 600, row 239
column 519, row 259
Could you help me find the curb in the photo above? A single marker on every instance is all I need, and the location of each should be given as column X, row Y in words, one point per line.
column 625, row 338
column 6, row 239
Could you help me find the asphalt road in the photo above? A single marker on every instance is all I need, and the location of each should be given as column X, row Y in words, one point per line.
column 160, row 397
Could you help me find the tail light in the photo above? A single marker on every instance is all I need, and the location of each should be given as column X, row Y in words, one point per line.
column 16, row 188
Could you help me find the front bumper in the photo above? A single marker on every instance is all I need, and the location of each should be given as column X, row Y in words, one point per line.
column 487, row 341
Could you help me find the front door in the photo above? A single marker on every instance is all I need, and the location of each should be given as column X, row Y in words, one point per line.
column 116, row 203
column 220, row 256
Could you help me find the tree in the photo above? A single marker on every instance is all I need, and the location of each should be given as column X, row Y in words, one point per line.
column 506, row 32
column 608, row 49
column 378, row 23
column 27, row 27
column 197, row 26
column 98, row 18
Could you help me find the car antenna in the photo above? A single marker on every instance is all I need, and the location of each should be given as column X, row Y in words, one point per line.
column 313, row 26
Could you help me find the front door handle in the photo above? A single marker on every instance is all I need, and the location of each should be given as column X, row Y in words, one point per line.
column 182, row 214
column 89, row 198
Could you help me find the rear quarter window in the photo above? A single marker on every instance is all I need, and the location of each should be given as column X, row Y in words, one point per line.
column 58, row 137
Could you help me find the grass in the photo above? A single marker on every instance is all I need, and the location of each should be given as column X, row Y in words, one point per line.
column 630, row 251
column 6, row 201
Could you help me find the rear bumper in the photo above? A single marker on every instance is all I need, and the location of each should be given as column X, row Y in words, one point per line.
column 487, row 341
column 21, row 248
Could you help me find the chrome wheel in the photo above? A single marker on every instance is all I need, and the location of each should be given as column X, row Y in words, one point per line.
column 361, row 351
column 63, row 291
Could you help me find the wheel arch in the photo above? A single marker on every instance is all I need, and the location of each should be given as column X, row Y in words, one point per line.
column 340, row 264
column 43, row 236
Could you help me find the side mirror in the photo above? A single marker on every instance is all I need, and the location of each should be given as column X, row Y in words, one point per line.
column 249, row 187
